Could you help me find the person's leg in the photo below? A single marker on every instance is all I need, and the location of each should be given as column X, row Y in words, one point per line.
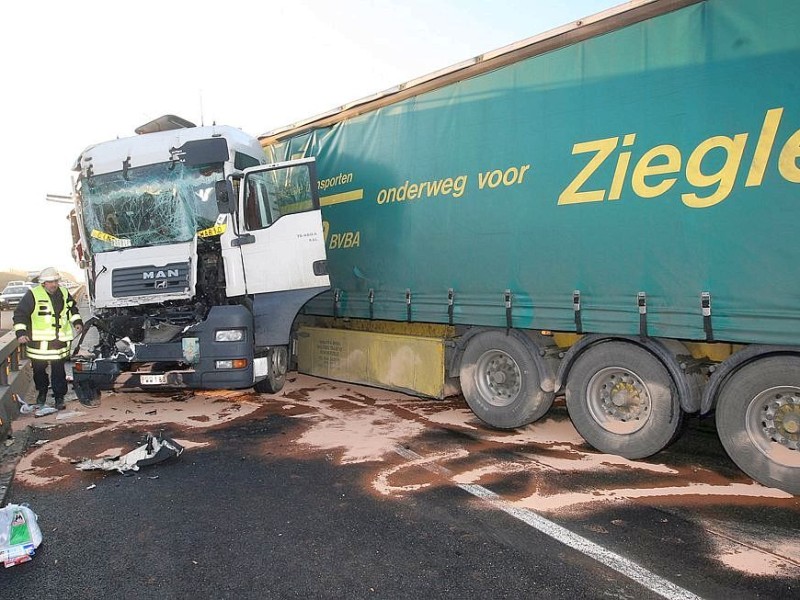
column 40, row 380
column 59, row 378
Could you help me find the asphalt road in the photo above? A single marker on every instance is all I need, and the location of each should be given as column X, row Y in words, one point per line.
column 333, row 491
column 226, row 523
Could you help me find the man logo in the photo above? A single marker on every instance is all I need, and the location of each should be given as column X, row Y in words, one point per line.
column 158, row 274
column 161, row 284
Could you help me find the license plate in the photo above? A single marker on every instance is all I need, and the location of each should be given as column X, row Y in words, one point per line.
column 153, row 379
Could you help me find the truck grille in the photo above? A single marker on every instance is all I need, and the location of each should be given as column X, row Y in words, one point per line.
column 149, row 279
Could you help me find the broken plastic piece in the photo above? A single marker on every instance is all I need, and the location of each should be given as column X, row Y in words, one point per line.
column 44, row 411
column 155, row 450
column 24, row 407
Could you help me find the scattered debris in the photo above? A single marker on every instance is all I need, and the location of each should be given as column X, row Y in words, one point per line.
column 19, row 534
column 24, row 407
column 154, row 450
column 44, row 411
column 91, row 487
column 68, row 414
column 40, row 442
column 45, row 426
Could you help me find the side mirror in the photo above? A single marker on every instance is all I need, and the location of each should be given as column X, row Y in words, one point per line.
column 226, row 198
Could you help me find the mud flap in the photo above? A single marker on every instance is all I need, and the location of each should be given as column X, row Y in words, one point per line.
column 86, row 391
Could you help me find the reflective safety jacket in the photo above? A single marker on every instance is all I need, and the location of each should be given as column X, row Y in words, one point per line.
column 50, row 336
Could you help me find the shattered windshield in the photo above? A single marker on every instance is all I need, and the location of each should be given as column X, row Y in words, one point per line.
column 149, row 206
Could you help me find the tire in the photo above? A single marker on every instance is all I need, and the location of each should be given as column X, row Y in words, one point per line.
column 758, row 421
column 623, row 401
column 500, row 380
column 277, row 364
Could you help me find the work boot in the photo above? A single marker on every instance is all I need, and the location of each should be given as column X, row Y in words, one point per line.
column 60, row 403
column 41, row 399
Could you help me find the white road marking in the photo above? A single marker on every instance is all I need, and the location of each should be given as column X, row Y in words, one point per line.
column 620, row 564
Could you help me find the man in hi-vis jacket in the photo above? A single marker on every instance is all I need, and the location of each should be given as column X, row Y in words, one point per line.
column 46, row 320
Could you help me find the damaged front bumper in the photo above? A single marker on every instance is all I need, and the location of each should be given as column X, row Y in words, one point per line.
column 200, row 359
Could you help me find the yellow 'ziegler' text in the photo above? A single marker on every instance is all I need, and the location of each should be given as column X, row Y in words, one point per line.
column 650, row 176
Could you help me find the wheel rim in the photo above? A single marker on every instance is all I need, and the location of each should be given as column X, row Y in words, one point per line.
column 279, row 361
column 618, row 400
column 773, row 424
column 498, row 377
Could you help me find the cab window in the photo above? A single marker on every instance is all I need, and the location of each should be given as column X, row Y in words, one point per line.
column 272, row 194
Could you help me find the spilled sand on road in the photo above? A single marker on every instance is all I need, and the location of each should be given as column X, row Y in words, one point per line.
column 755, row 561
column 544, row 458
column 363, row 425
column 124, row 412
column 356, row 432
column 547, row 464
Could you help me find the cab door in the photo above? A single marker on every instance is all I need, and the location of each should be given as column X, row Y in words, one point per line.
column 280, row 234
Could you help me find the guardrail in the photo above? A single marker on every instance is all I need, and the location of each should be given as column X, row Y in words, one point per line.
column 79, row 293
column 14, row 379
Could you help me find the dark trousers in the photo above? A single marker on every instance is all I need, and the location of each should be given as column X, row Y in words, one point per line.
column 57, row 373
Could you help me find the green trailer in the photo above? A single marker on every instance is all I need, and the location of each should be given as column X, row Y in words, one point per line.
column 606, row 210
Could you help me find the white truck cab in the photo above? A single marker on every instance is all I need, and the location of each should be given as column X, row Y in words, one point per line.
column 197, row 255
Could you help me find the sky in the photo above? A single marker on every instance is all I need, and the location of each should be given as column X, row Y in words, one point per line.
column 86, row 71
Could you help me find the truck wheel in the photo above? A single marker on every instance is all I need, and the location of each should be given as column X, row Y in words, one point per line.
column 622, row 400
column 277, row 362
column 758, row 421
column 500, row 381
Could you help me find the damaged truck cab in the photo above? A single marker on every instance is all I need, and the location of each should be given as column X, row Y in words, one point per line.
column 198, row 256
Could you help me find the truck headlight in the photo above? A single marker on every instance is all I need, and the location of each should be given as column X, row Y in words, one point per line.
column 235, row 363
column 229, row 335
